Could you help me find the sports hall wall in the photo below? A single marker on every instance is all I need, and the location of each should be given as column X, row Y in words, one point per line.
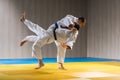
column 103, row 37
column 44, row 13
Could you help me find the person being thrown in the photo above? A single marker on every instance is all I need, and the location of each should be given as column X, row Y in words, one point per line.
column 63, row 32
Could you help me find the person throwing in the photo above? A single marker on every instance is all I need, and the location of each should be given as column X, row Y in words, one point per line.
column 63, row 32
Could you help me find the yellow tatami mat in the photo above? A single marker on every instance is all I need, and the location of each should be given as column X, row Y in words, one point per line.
column 75, row 71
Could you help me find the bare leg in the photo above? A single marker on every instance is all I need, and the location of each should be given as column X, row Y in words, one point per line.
column 23, row 42
column 61, row 66
column 40, row 64
column 22, row 18
column 31, row 38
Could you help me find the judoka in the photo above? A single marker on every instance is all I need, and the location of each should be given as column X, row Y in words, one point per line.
column 63, row 32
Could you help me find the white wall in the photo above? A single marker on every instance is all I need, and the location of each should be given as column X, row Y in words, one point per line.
column 42, row 12
column 103, row 37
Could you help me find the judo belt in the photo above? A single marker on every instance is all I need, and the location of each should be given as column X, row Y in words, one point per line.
column 54, row 33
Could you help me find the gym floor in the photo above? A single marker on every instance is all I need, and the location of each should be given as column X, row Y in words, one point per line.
column 77, row 69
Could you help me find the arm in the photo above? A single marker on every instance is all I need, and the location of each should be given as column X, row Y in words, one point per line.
column 68, row 23
column 65, row 46
column 71, row 27
column 67, row 20
column 72, row 17
column 70, row 41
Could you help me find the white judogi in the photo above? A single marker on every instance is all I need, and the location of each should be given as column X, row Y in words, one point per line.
column 43, row 37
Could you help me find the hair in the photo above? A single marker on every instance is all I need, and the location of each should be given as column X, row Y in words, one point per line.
column 82, row 19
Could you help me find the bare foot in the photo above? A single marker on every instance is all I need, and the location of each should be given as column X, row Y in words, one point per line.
column 62, row 68
column 41, row 65
column 22, row 18
column 23, row 42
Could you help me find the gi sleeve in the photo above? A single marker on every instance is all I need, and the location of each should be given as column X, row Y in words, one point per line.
column 71, row 40
column 73, row 18
column 67, row 20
